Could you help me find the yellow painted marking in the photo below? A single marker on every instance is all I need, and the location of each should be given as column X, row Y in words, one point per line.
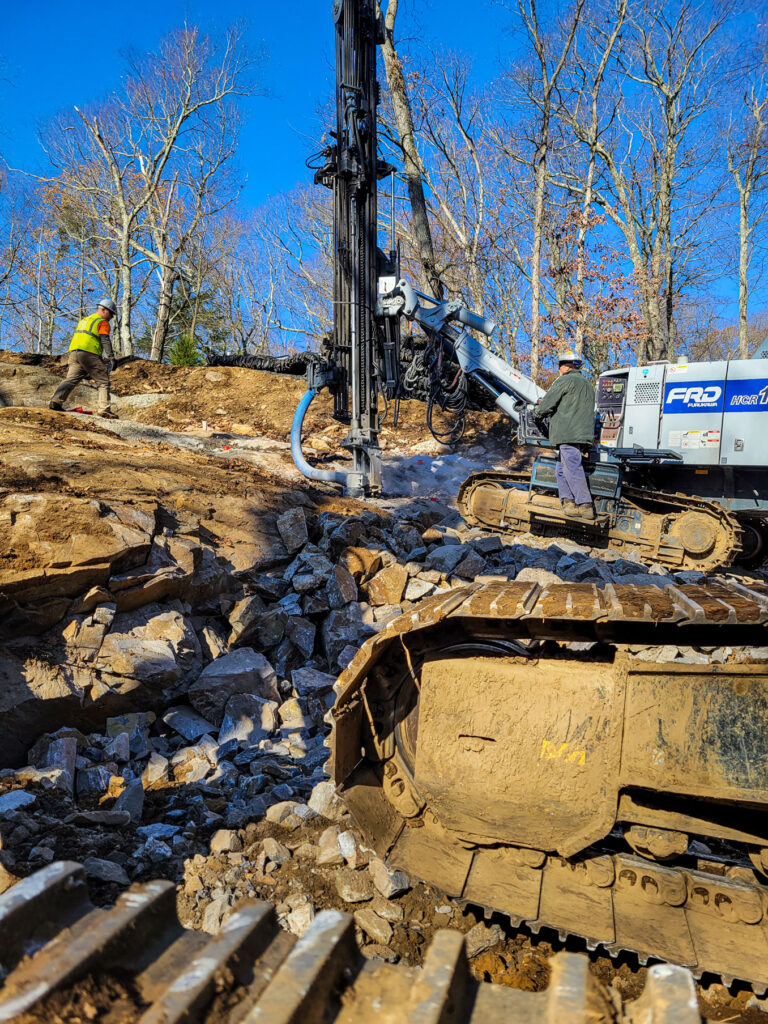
column 553, row 752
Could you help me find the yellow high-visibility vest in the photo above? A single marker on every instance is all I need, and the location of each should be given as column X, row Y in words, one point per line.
column 86, row 337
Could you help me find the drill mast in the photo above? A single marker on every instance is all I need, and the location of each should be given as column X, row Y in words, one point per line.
column 364, row 358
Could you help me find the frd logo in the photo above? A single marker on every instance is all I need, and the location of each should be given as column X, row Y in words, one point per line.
column 695, row 395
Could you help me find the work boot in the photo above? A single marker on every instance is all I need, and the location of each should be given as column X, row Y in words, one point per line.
column 108, row 415
column 585, row 511
column 56, row 406
column 569, row 506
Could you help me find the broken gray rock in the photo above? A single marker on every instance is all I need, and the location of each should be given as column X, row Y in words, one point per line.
column 276, row 851
column 481, row 937
column 471, row 566
column 248, row 719
column 292, row 527
column 417, row 589
column 444, row 559
column 226, row 841
column 299, row 920
column 214, row 914
column 341, row 588
column 541, row 576
column 328, row 851
column 156, row 849
column 242, row 615
column 302, row 634
column 92, row 781
column 388, row 882
column 105, row 870
column 311, row 682
column 15, row 800
column 131, row 800
column 242, row 671
column 187, row 723
column 325, row 801
column 156, row 771
column 487, row 545
column 343, row 627
column 374, row 926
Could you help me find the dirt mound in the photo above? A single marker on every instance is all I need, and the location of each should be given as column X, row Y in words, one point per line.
column 207, row 400
column 245, row 401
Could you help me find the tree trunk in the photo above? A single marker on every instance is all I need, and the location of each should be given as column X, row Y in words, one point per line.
column 743, row 285
column 167, row 284
column 538, row 220
column 411, row 161
column 581, row 243
column 126, row 342
column 669, row 309
column 47, row 345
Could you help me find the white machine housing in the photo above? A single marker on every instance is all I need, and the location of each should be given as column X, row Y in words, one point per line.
column 710, row 414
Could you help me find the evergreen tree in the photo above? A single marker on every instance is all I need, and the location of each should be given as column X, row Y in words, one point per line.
column 185, row 352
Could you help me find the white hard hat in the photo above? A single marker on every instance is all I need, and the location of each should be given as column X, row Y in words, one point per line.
column 569, row 356
column 108, row 304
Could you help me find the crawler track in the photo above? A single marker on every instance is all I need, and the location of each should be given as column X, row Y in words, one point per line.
column 676, row 530
column 134, row 962
column 511, row 768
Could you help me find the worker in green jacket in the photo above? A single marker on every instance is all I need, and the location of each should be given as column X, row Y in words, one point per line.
column 570, row 402
column 89, row 342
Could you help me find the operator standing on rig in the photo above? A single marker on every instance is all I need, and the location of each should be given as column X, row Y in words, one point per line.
column 90, row 340
column 571, row 403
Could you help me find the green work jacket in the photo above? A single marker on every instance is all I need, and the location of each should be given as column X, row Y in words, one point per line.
column 571, row 403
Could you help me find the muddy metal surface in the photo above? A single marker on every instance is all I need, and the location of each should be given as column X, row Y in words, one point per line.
column 135, row 963
column 552, row 747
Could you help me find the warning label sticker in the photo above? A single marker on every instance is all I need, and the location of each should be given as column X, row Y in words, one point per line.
column 694, row 439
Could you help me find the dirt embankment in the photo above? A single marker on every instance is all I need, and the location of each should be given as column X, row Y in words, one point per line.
column 250, row 402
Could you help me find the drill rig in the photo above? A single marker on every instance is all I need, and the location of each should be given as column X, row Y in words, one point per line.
column 677, row 470
column 364, row 357
column 364, row 365
column 508, row 742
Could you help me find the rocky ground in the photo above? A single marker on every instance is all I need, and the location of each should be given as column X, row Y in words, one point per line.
column 175, row 605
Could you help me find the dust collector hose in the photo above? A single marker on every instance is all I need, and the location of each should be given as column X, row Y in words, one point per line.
column 332, row 476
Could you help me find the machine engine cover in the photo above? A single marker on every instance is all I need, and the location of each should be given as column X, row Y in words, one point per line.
column 537, row 753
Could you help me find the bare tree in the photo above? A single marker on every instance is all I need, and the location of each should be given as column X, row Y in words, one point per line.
column 747, row 154
column 246, row 279
column 586, row 83
column 657, row 190
column 121, row 156
column 412, row 163
column 550, row 67
column 179, row 209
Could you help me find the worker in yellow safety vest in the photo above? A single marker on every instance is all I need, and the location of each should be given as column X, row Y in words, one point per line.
column 89, row 342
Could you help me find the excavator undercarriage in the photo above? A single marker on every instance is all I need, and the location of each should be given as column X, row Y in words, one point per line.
column 512, row 745
column 679, row 531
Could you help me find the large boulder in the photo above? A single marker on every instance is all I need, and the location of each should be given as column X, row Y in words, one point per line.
column 156, row 645
column 445, row 558
column 242, row 671
column 343, row 627
column 54, row 545
column 387, row 586
column 292, row 527
column 248, row 720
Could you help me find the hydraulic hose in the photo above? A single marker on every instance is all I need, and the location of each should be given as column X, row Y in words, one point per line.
column 348, row 480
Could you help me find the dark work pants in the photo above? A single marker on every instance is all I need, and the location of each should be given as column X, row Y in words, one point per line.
column 85, row 366
column 571, row 479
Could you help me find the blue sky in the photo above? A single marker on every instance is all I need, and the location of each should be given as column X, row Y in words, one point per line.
column 52, row 60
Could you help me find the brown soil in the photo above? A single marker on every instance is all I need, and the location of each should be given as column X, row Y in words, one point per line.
column 100, row 998
column 255, row 402
column 44, row 451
